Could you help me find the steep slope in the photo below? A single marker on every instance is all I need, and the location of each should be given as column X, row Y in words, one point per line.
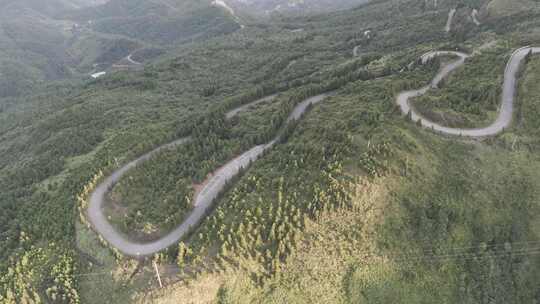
column 355, row 203
column 32, row 45
column 50, row 40
column 505, row 8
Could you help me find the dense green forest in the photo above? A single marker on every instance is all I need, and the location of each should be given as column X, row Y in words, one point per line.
column 424, row 219
column 356, row 204
column 469, row 101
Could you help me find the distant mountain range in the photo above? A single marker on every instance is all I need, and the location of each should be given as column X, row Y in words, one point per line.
column 45, row 40
column 45, row 7
column 269, row 7
column 157, row 21
column 55, row 39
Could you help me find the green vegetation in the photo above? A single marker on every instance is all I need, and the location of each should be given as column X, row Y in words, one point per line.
column 527, row 118
column 355, row 205
column 157, row 21
column 54, row 142
column 158, row 194
column 470, row 97
column 58, row 40
column 155, row 197
column 504, row 8
column 27, row 278
column 411, row 217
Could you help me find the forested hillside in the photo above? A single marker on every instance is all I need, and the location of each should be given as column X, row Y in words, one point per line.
column 267, row 8
column 157, row 21
column 354, row 204
column 44, row 41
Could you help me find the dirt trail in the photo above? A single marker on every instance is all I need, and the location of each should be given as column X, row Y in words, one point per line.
column 206, row 197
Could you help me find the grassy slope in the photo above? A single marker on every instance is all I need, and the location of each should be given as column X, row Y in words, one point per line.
column 49, row 41
column 359, row 129
column 473, row 203
column 323, row 53
column 141, row 211
column 459, row 200
column 528, row 101
column 468, row 101
column 54, row 141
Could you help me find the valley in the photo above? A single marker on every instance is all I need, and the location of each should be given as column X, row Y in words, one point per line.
column 80, row 39
column 384, row 153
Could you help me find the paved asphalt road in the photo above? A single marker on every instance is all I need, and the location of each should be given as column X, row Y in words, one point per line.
column 207, row 196
column 507, row 98
column 203, row 201
column 233, row 112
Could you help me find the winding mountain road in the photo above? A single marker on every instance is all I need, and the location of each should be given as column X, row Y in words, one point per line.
column 225, row 6
column 131, row 60
column 234, row 112
column 506, row 109
column 203, row 200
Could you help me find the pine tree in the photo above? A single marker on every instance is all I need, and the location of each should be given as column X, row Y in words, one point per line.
column 183, row 252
